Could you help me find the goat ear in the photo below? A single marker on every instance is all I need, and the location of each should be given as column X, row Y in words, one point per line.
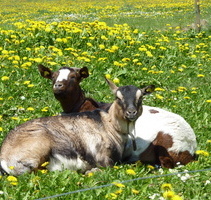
column 45, row 71
column 112, row 86
column 84, row 72
column 148, row 90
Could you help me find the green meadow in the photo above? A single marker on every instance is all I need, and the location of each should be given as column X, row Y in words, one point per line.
column 132, row 42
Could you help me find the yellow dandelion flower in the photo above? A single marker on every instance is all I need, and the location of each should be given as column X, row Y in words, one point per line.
column 44, row 171
column 90, row 174
column 159, row 89
column 208, row 101
column 26, row 82
column 200, row 75
column 12, row 179
column 158, row 96
column 150, row 167
column 120, row 185
column 30, row 109
column 111, row 196
column 176, row 197
column 44, row 164
column 166, row 186
column 116, row 80
column 130, row 172
column 101, row 46
column 13, row 183
column 168, row 194
column 135, row 191
column 89, row 44
column 5, row 78
column 118, row 191
column 1, row 129
column 116, row 167
column 38, row 60
column 186, row 97
column 11, row 167
column 45, row 109
column 31, row 85
column 208, row 141
column 149, row 54
column 108, row 76
column 202, row 152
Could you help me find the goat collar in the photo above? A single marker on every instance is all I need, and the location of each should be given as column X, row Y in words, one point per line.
column 132, row 132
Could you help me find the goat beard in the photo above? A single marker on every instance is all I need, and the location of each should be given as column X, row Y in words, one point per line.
column 132, row 133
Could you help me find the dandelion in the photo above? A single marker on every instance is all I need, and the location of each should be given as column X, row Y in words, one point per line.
column 30, row 109
column 134, row 191
column 1, row 129
column 208, row 141
column 119, row 191
column 108, row 76
column 26, row 82
column 186, row 97
column 116, row 167
column 45, row 109
column 111, row 196
column 200, row 75
column 11, row 167
column 130, row 172
column 102, row 46
column 159, row 89
column 31, row 85
column 5, row 78
column 168, row 194
column 176, row 197
column 116, row 80
column 13, row 180
column 208, row 101
column 158, row 96
column 90, row 174
column 44, row 164
column 166, row 186
column 149, row 54
column 120, row 185
column 150, row 167
column 202, row 152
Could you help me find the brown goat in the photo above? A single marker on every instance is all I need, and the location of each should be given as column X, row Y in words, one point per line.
column 79, row 141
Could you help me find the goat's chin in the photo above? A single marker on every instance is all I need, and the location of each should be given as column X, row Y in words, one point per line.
column 131, row 119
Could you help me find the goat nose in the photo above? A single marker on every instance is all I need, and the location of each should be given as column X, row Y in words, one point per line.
column 132, row 112
column 58, row 85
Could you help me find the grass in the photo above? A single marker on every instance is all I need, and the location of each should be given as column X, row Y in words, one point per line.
column 132, row 49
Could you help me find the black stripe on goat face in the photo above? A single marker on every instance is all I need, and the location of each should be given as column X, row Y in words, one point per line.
column 129, row 99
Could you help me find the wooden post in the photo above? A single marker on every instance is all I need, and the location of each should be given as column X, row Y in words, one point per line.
column 197, row 20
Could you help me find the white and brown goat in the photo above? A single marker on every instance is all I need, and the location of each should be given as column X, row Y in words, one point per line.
column 163, row 138
column 79, row 141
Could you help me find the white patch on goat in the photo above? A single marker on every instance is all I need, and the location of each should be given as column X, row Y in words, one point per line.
column 150, row 124
column 63, row 74
column 138, row 94
column 5, row 167
column 59, row 162
column 119, row 95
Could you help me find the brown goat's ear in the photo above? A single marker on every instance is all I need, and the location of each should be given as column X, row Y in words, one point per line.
column 84, row 72
column 112, row 86
column 148, row 89
column 45, row 71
